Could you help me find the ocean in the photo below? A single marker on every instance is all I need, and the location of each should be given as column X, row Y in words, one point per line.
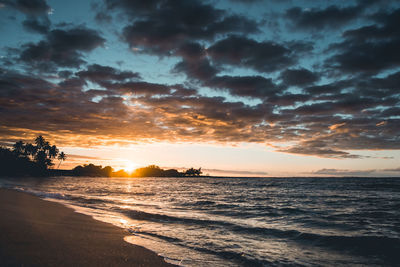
column 242, row 221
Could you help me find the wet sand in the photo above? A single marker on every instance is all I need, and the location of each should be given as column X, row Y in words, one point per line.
column 35, row 232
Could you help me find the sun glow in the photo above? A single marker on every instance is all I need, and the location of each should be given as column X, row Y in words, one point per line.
column 130, row 167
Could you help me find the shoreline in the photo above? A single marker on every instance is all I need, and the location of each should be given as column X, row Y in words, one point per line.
column 36, row 232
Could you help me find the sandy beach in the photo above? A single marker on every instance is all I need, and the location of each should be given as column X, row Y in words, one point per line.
column 35, row 232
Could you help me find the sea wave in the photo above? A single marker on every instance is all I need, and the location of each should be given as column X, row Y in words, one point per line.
column 251, row 222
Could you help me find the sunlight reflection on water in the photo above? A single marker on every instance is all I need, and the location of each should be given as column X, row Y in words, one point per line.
column 251, row 222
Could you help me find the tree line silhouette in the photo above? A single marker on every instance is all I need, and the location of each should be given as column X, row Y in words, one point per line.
column 92, row 170
column 155, row 171
column 26, row 159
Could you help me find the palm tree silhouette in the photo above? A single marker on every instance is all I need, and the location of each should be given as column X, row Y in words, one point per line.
column 30, row 150
column 40, row 142
column 19, row 147
column 53, row 151
column 61, row 157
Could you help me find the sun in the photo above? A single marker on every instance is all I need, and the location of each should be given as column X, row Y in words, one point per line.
column 130, row 167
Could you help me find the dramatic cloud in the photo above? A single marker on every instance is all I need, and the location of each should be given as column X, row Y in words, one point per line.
column 371, row 48
column 67, row 107
column 309, row 148
column 36, row 12
column 298, row 77
column 194, row 71
column 250, row 86
column 261, row 56
column 29, row 7
column 98, row 73
column 162, row 25
column 37, row 25
column 61, row 48
column 320, row 19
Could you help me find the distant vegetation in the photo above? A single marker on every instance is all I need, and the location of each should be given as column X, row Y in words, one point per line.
column 149, row 171
column 92, row 171
column 25, row 159
column 155, row 171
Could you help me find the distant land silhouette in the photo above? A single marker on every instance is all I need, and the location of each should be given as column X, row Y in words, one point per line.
column 25, row 159
column 149, row 171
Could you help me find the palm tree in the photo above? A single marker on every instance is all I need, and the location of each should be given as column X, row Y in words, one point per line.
column 61, row 157
column 46, row 147
column 193, row 172
column 44, row 152
column 198, row 172
column 40, row 142
column 30, row 150
column 42, row 160
column 53, row 151
column 19, row 147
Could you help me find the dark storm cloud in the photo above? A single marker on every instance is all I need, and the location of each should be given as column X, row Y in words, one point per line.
column 159, row 26
column 247, row 1
column 160, row 38
column 323, row 152
column 331, row 88
column 98, row 73
column 29, row 7
column 195, row 64
column 262, row 56
column 320, row 19
column 369, row 49
column 249, row 86
column 389, row 83
column 36, row 12
column 390, row 112
column 287, row 99
column 118, row 82
column 191, row 51
column 198, row 66
column 348, row 104
column 138, row 87
column 63, row 48
column 299, row 77
column 37, row 25
column 200, row 69
column 132, row 7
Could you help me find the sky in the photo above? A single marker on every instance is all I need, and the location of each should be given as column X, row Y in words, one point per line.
column 237, row 87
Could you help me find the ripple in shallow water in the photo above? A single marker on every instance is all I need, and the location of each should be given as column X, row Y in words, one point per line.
column 251, row 222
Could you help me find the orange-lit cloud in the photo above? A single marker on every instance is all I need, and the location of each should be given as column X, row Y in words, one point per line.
column 220, row 77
